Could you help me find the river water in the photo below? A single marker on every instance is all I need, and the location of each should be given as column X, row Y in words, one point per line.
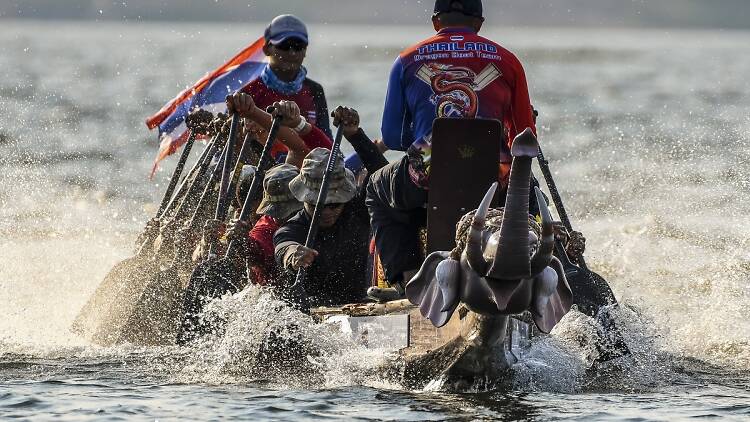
column 647, row 133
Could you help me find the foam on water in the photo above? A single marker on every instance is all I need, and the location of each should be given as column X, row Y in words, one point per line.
column 300, row 353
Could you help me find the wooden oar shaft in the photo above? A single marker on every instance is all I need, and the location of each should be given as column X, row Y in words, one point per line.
column 185, row 188
column 260, row 173
column 320, row 203
column 544, row 165
column 263, row 164
column 223, row 202
column 184, row 209
column 239, row 164
column 210, row 185
column 177, row 173
column 168, row 199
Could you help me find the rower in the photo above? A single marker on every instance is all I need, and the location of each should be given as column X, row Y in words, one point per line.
column 284, row 77
column 455, row 73
column 255, row 240
column 255, row 237
column 337, row 266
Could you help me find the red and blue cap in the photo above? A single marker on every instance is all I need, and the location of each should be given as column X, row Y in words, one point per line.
column 284, row 27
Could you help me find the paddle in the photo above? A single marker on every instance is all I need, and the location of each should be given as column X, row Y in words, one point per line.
column 214, row 277
column 591, row 292
column 167, row 200
column 106, row 304
column 208, row 190
column 187, row 190
column 198, row 212
column 155, row 317
column 192, row 224
column 223, row 202
column 189, row 206
column 297, row 289
column 264, row 163
column 177, row 172
column 185, row 209
column 182, row 201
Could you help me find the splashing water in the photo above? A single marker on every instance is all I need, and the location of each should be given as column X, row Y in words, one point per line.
column 261, row 339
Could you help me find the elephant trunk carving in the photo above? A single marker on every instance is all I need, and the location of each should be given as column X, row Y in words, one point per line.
column 510, row 257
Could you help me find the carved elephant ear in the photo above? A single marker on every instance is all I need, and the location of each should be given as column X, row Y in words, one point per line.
column 549, row 308
column 435, row 288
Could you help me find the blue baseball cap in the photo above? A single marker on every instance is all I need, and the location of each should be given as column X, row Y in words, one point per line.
column 284, row 27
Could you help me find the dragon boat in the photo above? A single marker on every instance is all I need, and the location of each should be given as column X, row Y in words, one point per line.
column 493, row 278
column 469, row 347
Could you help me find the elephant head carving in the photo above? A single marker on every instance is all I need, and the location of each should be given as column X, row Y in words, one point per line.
column 503, row 262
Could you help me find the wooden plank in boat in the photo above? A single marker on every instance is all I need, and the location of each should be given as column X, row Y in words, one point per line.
column 399, row 327
column 364, row 309
column 464, row 163
column 369, row 323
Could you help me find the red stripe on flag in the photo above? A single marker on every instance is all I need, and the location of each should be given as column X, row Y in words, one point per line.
column 235, row 61
column 167, row 147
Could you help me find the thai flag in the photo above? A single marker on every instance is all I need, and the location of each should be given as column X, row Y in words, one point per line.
column 208, row 93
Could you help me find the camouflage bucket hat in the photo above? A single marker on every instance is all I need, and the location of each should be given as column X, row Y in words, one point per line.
column 278, row 201
column 306, row 186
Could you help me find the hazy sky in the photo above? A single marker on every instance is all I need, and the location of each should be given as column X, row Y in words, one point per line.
column 673, row 13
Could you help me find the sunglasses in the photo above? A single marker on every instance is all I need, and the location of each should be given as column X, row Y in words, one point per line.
column 291, row 44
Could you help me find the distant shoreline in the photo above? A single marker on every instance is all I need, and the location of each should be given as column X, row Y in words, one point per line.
column 370, row 23
column 720, row 14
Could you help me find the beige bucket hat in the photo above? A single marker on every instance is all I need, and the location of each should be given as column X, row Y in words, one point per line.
column 278, row 201
column 306, row 186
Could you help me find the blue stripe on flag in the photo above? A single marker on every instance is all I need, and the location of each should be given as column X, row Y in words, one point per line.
column 214, row 93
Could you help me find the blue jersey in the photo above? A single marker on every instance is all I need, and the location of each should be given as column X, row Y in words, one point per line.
column 455, row 73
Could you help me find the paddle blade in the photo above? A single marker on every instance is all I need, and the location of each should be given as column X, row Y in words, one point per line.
column 106, row 312
column 210, row 279
column 155, row 317
column 590, row 290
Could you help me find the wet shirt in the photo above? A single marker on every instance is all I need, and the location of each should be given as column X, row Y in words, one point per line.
column 455, row 73
column 339, row 273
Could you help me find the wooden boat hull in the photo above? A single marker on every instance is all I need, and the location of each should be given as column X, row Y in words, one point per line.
column 469, row 347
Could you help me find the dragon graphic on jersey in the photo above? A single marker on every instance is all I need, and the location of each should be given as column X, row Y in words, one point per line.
column 455, row 88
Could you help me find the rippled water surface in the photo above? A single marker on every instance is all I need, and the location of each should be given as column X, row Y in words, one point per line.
column 647, row 133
